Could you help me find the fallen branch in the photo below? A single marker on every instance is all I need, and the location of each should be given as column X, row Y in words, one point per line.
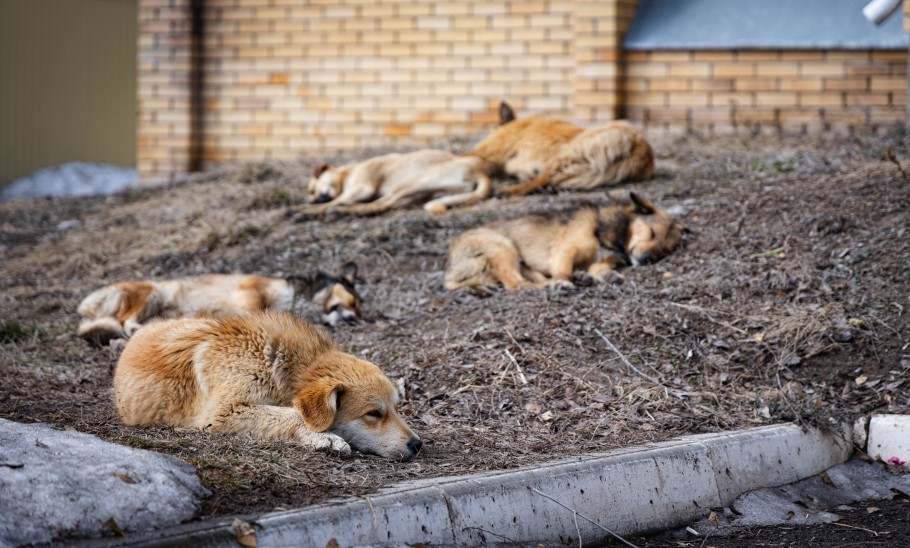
column 584, row 517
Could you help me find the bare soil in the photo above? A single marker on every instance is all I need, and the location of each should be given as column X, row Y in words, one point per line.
column 787, row 302
column 883, row 523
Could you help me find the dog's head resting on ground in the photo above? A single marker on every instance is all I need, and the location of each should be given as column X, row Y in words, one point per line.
column 637, row 228
column 354, row 400
column 327, row 183
column 335, row 295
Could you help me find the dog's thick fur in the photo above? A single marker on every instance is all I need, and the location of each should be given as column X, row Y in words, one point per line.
column 534, row 250
column 542, row 150
column 399, row 179
column 268, row 375
column 117, row 310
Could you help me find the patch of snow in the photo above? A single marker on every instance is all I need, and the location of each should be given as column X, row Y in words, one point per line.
column 72, row 179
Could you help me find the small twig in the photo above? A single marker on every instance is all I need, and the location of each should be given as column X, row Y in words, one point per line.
column 860, row 528
column 584, row 517
column 626, row 360
column 889, row 154
column 770, row 253
column 521, row 374
column 492, row 533
column 704, row 311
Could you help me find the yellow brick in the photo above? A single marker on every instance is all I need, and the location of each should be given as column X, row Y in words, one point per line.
column 889, row 83
column 687, row 99
column 801, row 84
column 821, row 99
column 670, row 56
column 755, row 84
column 647, row 70
column 776, row 69
column 822, row 69
column 733, row 70
column 775, row 99
column 669, row 84
column 690, row 69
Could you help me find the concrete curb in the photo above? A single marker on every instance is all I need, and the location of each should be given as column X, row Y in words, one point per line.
column 629, row 491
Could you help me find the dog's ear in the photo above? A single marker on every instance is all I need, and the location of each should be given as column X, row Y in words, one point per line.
column 317, row 403
column 320, row 169
column 506, row 114
column 642, row 206
column 349, row 272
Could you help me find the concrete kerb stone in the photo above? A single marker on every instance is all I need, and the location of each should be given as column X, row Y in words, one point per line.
column 630, row 491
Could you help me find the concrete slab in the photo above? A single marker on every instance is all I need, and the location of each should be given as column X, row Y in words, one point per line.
column 630, row 491
column 889, row 437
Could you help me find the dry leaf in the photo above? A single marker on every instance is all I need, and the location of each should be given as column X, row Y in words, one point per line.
column 547, row 416
column 332, row 543
column 872, row 510
column 124, row 478
column 826, row 479
column 114, row 527
column 861, row 380
column 246, row 535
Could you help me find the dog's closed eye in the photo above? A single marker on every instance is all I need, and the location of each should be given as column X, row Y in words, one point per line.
column 376, row 414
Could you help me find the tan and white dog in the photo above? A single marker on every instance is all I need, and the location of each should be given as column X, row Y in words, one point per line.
column 546, row 151
column 268, row 375
column 535, row 250
column 397, row 180
column 117, row 310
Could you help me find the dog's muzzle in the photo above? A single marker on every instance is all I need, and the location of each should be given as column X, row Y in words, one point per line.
column 323, row 198
column 642, row 259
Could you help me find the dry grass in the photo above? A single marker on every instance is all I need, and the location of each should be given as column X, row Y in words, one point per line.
column 791, row 283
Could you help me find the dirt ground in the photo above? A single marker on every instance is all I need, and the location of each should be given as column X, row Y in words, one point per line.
column 883, row 523
column 787, row 301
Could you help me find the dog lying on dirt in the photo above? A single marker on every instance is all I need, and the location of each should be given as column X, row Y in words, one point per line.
column 542, row 150
column 535, row 250
column 117, row 310
column 396, row 180
column 266, row 374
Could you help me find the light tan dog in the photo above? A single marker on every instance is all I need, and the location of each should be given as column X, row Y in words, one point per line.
column 399, row 179
column 268, row 375
column 117, row 310
column 545, row 151
column 534, row 250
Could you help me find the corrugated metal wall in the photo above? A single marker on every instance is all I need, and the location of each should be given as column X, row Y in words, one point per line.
column 67, row 83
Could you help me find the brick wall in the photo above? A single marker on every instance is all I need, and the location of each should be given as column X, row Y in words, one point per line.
column 287, row 76
column 164, row 124
column 284, row 77
column 803, row 90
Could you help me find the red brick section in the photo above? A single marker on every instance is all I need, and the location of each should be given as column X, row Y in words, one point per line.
column 164, row 87
column 803, row 90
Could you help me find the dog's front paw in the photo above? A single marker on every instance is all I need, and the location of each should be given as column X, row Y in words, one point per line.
column 608, row 277
column 559, row 285
column 325, row 441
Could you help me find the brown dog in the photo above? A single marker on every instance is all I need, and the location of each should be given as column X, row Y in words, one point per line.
column 541, row 150
column 534, row 250
column 117, row 310
column 268, row 375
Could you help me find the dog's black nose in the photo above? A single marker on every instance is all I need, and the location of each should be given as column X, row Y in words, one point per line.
column 322, row 198
column 644, row 258
column 414, row 444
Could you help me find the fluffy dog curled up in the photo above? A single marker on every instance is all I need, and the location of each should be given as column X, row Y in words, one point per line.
column 268, row 375
column 546, row 151
column 535, row 250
